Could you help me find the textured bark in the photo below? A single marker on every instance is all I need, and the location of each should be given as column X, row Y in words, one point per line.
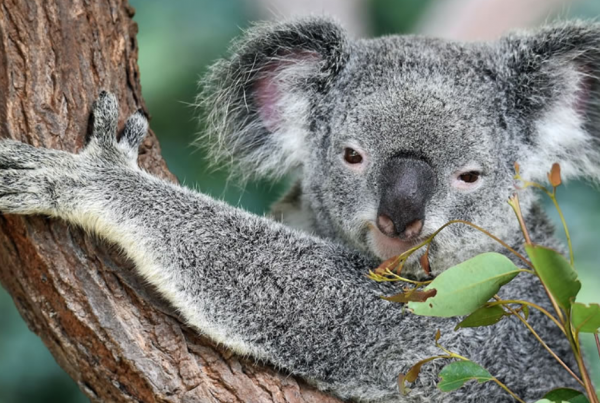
column 111, row 334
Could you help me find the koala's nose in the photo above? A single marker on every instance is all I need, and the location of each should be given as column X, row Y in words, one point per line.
column 407, row 185
column 387, row 226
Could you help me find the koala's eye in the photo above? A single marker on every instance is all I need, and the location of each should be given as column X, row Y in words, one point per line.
column 469, row 177
column 352, row 156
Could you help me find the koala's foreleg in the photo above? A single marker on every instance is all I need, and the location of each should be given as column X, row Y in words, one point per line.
column 247, row 282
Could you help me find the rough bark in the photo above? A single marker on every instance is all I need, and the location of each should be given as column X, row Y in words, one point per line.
column 110, row 333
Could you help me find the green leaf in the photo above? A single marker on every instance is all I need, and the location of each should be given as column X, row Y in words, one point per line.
column 585, row 318
column 556, row 273
column 525, row 309
column 485, row 316
column 565, row 395
column 465, row 287
column 455, row 375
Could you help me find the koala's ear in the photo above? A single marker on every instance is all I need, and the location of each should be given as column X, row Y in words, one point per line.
column 259, row 101
column 553, row 83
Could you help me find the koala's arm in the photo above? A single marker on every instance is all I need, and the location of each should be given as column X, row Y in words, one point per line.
column 298, row 302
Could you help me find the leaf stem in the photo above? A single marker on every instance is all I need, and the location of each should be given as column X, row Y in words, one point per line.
column 564, row 223
column 395, row 277
column 516, row 206
column 514, row 203
column 470, row 224
column 589, row 387
column 401, row 259
column 552, row 353
column 510, row 392
column 574, row 341
column 552, row 196
column 451, row 354
column 532, row 305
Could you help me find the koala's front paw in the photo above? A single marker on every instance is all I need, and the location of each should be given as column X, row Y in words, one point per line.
column 29, row 177
column 43, row 181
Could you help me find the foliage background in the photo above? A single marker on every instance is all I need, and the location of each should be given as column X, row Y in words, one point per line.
column 177, row 41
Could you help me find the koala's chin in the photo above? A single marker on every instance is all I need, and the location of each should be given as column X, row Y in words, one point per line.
column 385, row 247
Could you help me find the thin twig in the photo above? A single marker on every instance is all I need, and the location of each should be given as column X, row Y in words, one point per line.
column 510, row 392
column 514, row 203
column 395, row 277
column 531, row 304
column 480, row 229
column 564, row 223
column 574, row 341
column 552, row 196
column 552, row 353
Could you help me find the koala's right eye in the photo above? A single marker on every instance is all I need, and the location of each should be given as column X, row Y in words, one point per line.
column 352, row 156
column 469, row 177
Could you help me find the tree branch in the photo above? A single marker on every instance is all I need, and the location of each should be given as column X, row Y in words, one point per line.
column 111, row 334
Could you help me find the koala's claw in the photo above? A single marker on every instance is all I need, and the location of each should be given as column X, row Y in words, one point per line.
column 105, row 119
column 135, row 130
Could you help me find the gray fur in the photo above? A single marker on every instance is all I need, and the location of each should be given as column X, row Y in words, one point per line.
column 301, row 302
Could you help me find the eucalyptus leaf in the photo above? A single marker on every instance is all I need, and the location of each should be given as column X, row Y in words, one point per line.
column 455, row 375
column 585, row 318
column 485, row 316
column 556, row 273
column 565, row 395
column 464, row 288
column 525, row 309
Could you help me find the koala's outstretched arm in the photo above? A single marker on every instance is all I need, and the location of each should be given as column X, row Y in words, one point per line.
column 259, row 288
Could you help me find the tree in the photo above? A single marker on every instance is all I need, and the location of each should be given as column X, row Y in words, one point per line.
column 108, row 331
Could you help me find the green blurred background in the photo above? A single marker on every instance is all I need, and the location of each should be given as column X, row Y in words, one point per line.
column 177, row 40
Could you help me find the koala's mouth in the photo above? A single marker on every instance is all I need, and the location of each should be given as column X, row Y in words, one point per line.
column 385, row 247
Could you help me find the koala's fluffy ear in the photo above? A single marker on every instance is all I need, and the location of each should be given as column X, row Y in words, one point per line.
column 553, row 79
column 258, row 102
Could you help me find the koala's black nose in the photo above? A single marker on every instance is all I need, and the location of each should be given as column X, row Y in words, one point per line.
column 407, row 185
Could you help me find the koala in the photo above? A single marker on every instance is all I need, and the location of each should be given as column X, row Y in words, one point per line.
column 388, row 139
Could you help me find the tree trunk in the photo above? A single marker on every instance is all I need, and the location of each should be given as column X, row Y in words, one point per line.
column 111, row 334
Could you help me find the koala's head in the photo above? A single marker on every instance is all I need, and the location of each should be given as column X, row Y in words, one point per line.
column 393, row 137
